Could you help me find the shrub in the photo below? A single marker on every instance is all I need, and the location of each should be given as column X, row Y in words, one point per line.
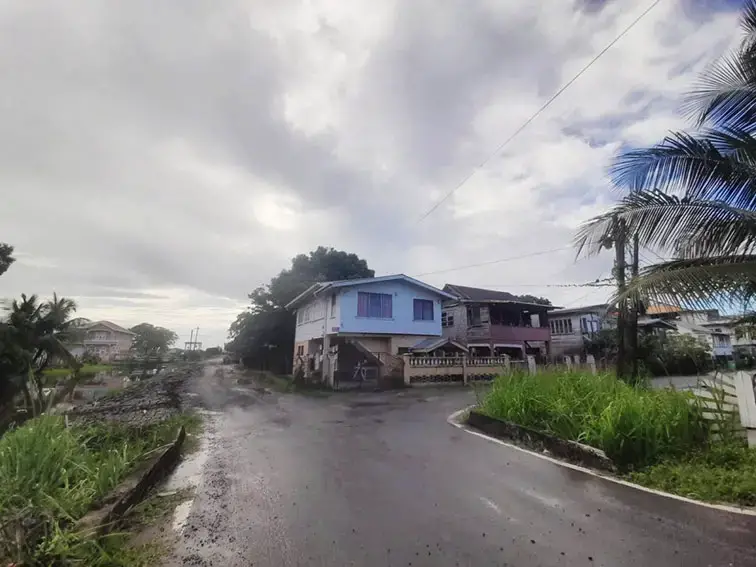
column 725, row 472
column 50, row 475
column 635, row 426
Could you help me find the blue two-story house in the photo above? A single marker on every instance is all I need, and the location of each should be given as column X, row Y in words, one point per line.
column 345, row 326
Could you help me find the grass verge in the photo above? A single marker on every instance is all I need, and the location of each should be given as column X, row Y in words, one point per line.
column 86, row 369
column 284, row 384
column 657, row 438
column 723, row 473
column 51, row 475
column 635, row 427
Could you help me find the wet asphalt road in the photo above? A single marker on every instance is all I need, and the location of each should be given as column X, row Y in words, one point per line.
column 381, row 479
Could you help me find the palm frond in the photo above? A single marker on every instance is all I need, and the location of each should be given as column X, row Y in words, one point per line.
column 697, row 283
column 724, row 94
column 693, row 167
column 681, row 226
column 748, row 22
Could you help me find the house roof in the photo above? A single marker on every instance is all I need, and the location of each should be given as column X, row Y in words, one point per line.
column 662, row 309
column 721, row 322
column 433, row 343
column 656, row 324
column 598, row 307
column 480, row 295
column 111, row 326
column 319, row 288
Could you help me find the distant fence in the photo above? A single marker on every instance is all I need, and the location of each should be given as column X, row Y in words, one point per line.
column 717, row 396
column 449, row 369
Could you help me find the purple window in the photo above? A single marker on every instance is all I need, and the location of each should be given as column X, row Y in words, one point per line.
column 374, row 305
column 423, row 310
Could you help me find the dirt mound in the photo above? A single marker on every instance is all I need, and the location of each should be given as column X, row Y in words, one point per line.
column 143, row 403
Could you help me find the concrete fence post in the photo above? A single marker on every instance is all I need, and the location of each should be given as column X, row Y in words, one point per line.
column 531, row 364
column 568, row 362
column 746, row 404
column 576, row 360
column 406, row 369
column 590, row 360
column 464, row 370
column 507, row 365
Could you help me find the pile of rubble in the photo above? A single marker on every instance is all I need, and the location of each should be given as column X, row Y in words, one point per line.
column 143, row 403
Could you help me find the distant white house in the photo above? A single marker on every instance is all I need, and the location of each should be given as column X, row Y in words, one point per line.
column 104, row 339
column 570, row 328
column 707, row 325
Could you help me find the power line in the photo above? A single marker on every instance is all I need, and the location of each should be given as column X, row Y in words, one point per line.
column 491, row 262
column 539, row 111
column 582, row 297
column 606, row 282
column 654, row 253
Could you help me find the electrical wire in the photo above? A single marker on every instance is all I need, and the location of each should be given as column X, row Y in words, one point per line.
column 491, row 262
column 539, row 111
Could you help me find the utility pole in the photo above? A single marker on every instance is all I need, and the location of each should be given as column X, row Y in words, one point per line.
column 619, row 268
column 632, row 328
column 193, row 342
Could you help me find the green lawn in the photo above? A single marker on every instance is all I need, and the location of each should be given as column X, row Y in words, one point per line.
column 657, row 438
column 86, row 369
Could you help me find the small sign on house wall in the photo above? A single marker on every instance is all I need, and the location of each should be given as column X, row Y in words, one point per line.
column 335, row 329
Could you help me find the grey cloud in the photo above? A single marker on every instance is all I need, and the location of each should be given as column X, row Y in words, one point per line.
column 91, row 89
column 96, row 93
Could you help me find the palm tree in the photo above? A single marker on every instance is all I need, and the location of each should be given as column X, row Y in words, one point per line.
column 33, row 336
column 693, row 196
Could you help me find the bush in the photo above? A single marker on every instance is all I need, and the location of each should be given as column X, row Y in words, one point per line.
column 675, row 355
column 634, row 426
column 90, row 358
column 725, row 472
column 51, row 475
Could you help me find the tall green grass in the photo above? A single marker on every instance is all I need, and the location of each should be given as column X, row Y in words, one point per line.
column 51, row 475
column 634, row 426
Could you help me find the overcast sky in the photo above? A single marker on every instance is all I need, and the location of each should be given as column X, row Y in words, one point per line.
column 159, row 160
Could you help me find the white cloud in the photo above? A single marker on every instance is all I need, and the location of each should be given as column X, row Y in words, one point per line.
column 160, row 163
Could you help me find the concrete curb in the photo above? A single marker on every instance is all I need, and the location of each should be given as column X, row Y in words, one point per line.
column 134, row 490
column 455, row 419
column 569, row 450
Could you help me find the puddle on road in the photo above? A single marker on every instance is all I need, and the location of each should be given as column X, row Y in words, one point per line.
column 181, row 515
column 188, row 473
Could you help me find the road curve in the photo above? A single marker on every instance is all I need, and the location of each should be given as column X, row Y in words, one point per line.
column 381, row 479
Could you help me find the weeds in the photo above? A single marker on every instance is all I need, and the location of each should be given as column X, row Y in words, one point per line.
column 725, row 472
column 51, row 475
column 634, row 426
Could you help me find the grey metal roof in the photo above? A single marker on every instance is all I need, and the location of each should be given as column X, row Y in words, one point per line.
column 432, row 343
column 479, row 294
column 598, row 307
column 318, row 288
column 659, row 323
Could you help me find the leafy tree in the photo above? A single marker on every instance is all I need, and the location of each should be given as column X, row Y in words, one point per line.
column 263, row 335
column 693, row 196
column 34, row 336
column 6, row 257
column 152, row 341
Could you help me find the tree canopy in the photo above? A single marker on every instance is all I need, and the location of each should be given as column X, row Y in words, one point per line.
column 32, row 337
column 693, row 196
column 6, row 257
column 264, row 334
column 151, row 340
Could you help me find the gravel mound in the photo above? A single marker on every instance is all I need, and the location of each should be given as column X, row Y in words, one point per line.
column 143, row 403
